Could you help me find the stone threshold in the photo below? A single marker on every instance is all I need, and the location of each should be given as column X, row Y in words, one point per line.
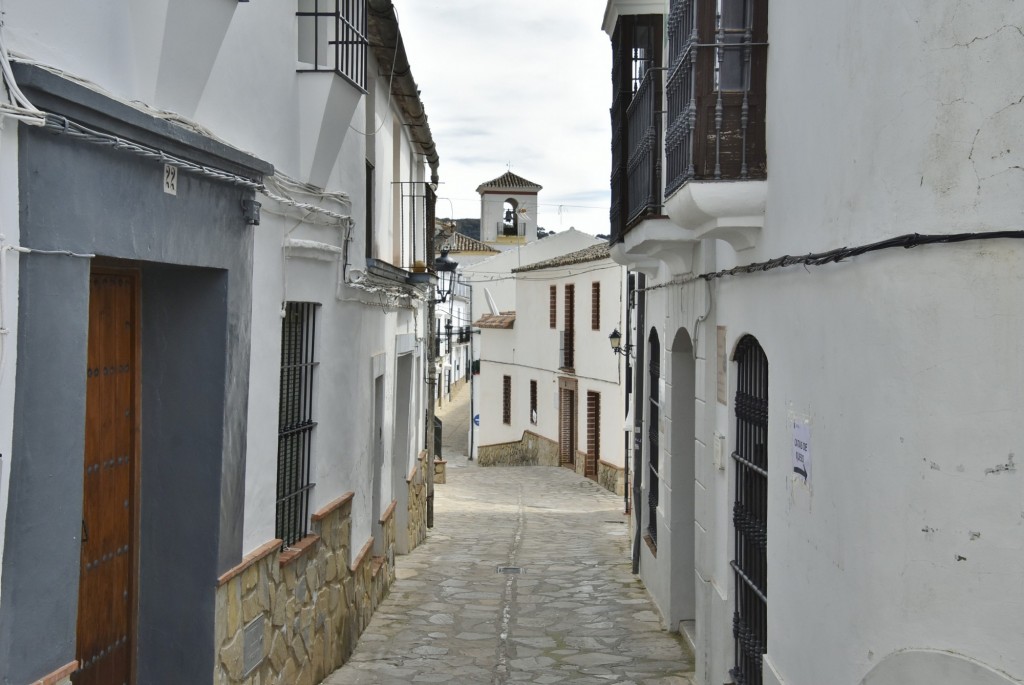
column 57, row 676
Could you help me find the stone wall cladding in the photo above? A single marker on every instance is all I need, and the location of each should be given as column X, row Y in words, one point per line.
column 536, row 450
column 314, row 605
column 611, row 477
column 417, row 526
column 531, row 450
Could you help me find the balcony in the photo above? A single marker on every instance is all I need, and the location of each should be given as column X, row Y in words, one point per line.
column 333, row 38
column 710, row 95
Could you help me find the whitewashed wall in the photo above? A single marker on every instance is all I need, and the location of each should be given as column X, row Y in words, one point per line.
column 196, row 59
column 906, row 362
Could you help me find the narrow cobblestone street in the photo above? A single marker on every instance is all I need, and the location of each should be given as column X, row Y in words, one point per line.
column 573, row 613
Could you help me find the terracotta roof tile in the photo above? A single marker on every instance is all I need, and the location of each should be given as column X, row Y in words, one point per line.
column 504, row 320
column 458, row 242
column 587, row 254
column 509, row 181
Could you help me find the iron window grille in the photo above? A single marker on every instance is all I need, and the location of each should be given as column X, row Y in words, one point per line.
column 295, row 420
column 506, row 400
column 750, row 512
column 654, row 409
column 333, row 37
column 595, row 306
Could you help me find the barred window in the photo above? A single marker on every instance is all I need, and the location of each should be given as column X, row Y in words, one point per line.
column 333, row 37
column 506, row 400
column 595, row 306
column 533, row 402
column 295, row 420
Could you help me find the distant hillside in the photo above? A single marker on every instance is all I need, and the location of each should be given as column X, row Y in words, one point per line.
column 468, row 227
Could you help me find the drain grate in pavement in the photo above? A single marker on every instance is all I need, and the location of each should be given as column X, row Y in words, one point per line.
column 511, row 569
column 614, row 521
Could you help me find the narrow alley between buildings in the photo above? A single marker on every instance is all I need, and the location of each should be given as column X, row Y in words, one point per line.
column 525, row 577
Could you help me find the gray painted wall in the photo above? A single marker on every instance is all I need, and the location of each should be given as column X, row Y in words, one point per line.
column 195, row 357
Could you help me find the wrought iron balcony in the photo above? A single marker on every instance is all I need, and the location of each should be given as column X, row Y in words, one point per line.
column 711, row 93
column 715, row 91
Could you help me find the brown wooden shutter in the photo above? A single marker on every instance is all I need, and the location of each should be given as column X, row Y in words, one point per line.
column 595, row 306
column 553, row 306
column 570, row 317
column 593, row 433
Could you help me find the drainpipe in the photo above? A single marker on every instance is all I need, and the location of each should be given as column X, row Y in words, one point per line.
column 638, row 416
column 472, row 380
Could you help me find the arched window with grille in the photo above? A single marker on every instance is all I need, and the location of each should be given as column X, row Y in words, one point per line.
column 653, row 430
column 750, row 512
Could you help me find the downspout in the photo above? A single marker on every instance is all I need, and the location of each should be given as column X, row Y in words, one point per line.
column 431, row 353
column 638, row 416
column 472, row 380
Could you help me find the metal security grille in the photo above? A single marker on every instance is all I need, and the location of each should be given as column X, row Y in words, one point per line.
column 654, row 372
column 295, row 420
column 533, row 402
column 506, row 400
column 750, row 512
column 332, row 37
column 595, row 306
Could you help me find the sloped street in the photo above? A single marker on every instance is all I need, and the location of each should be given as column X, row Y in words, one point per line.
column 524, row 578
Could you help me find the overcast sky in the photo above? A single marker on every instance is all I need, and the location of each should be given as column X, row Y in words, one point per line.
column 525, row 82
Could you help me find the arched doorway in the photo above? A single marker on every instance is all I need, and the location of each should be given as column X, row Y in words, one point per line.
column 682, row 475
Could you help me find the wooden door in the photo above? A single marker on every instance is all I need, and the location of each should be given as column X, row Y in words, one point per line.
column 106, row 590
column 567, row 423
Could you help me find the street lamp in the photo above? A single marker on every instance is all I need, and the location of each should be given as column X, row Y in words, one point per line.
column 445, row 268
column 615, row 340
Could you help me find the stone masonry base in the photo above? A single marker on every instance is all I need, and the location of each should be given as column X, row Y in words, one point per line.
column 292, row 617
column 536, row 450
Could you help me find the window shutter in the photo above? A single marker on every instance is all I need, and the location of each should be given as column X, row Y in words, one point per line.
column 553, row 306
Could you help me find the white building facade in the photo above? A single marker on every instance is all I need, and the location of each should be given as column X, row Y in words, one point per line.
column 829, row 492
column 551, row 391
column 221, row 219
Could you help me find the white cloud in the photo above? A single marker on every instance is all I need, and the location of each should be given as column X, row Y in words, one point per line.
column 525, row 82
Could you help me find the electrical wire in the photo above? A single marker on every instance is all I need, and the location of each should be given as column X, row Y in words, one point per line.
column 906, row 241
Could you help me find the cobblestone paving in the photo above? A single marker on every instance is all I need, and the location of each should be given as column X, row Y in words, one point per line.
column 575, row 614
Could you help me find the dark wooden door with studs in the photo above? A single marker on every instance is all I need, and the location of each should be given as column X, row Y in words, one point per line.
column 106, row 592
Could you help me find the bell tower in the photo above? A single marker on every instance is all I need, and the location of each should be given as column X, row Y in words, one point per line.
column 508, row 210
